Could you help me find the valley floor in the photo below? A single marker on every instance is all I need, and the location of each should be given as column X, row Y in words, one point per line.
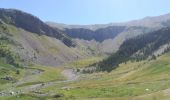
column 145, row 80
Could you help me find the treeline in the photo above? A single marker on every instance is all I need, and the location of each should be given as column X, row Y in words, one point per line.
column 136, row 49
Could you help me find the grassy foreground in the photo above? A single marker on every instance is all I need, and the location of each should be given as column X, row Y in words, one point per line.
column 145, row 80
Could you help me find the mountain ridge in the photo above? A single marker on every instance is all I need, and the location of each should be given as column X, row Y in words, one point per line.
column 104, row 35
column 126, row 62
column 94, row 27
column 33, row 24
column 36, row 42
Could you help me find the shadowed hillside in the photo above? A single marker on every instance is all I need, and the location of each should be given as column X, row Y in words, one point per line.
column 32, row 24
column 138, row 48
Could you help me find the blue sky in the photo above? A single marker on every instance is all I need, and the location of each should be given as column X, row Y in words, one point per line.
column 89, row 11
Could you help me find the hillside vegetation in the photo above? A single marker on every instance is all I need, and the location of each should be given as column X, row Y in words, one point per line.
column 145, row 80
column 125, row 61
column 6, row 55
column 136, row 49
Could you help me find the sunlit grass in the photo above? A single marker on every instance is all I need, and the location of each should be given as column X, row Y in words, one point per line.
column 46, row 74
column 84, row 62
column 133, row 80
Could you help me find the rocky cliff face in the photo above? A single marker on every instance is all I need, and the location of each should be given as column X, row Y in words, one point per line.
column 107, row 38
column 99, row 35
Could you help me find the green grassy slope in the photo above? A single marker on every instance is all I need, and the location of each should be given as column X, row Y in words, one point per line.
column 146, row 80
column 26, row 78
column 8, row 75
column 82, row 63
column 142, row 80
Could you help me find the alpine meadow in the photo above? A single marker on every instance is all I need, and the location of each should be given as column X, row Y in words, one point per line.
column 43, row 58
